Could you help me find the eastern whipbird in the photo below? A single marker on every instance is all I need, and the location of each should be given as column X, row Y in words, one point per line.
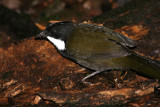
column 98, row 48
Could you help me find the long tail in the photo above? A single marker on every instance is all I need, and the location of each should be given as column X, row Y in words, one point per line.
column 145, row 66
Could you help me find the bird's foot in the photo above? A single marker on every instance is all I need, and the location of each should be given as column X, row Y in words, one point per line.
column 85, row 82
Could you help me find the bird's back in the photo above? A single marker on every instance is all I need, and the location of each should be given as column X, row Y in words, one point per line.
column 92, row 47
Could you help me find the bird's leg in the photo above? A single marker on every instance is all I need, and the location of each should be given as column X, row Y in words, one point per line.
column 124, row 75
column 90, row 75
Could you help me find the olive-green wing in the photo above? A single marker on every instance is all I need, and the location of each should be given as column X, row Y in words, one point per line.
column 94, row 42
column 94, row 47
column 119, row 38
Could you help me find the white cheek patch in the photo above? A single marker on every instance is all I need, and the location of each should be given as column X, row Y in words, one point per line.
column 57, row 42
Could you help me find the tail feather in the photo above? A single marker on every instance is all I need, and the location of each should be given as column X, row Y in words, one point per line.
column 145, row 66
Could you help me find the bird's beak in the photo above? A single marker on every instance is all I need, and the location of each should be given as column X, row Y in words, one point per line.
column 43, row 34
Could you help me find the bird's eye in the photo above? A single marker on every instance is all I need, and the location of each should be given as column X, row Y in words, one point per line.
column 48, row 29
column 51, row 30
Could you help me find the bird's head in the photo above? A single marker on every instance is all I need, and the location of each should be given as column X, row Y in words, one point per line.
column 57, row 33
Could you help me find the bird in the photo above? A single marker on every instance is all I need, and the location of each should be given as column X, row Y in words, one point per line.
column 98, row 48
